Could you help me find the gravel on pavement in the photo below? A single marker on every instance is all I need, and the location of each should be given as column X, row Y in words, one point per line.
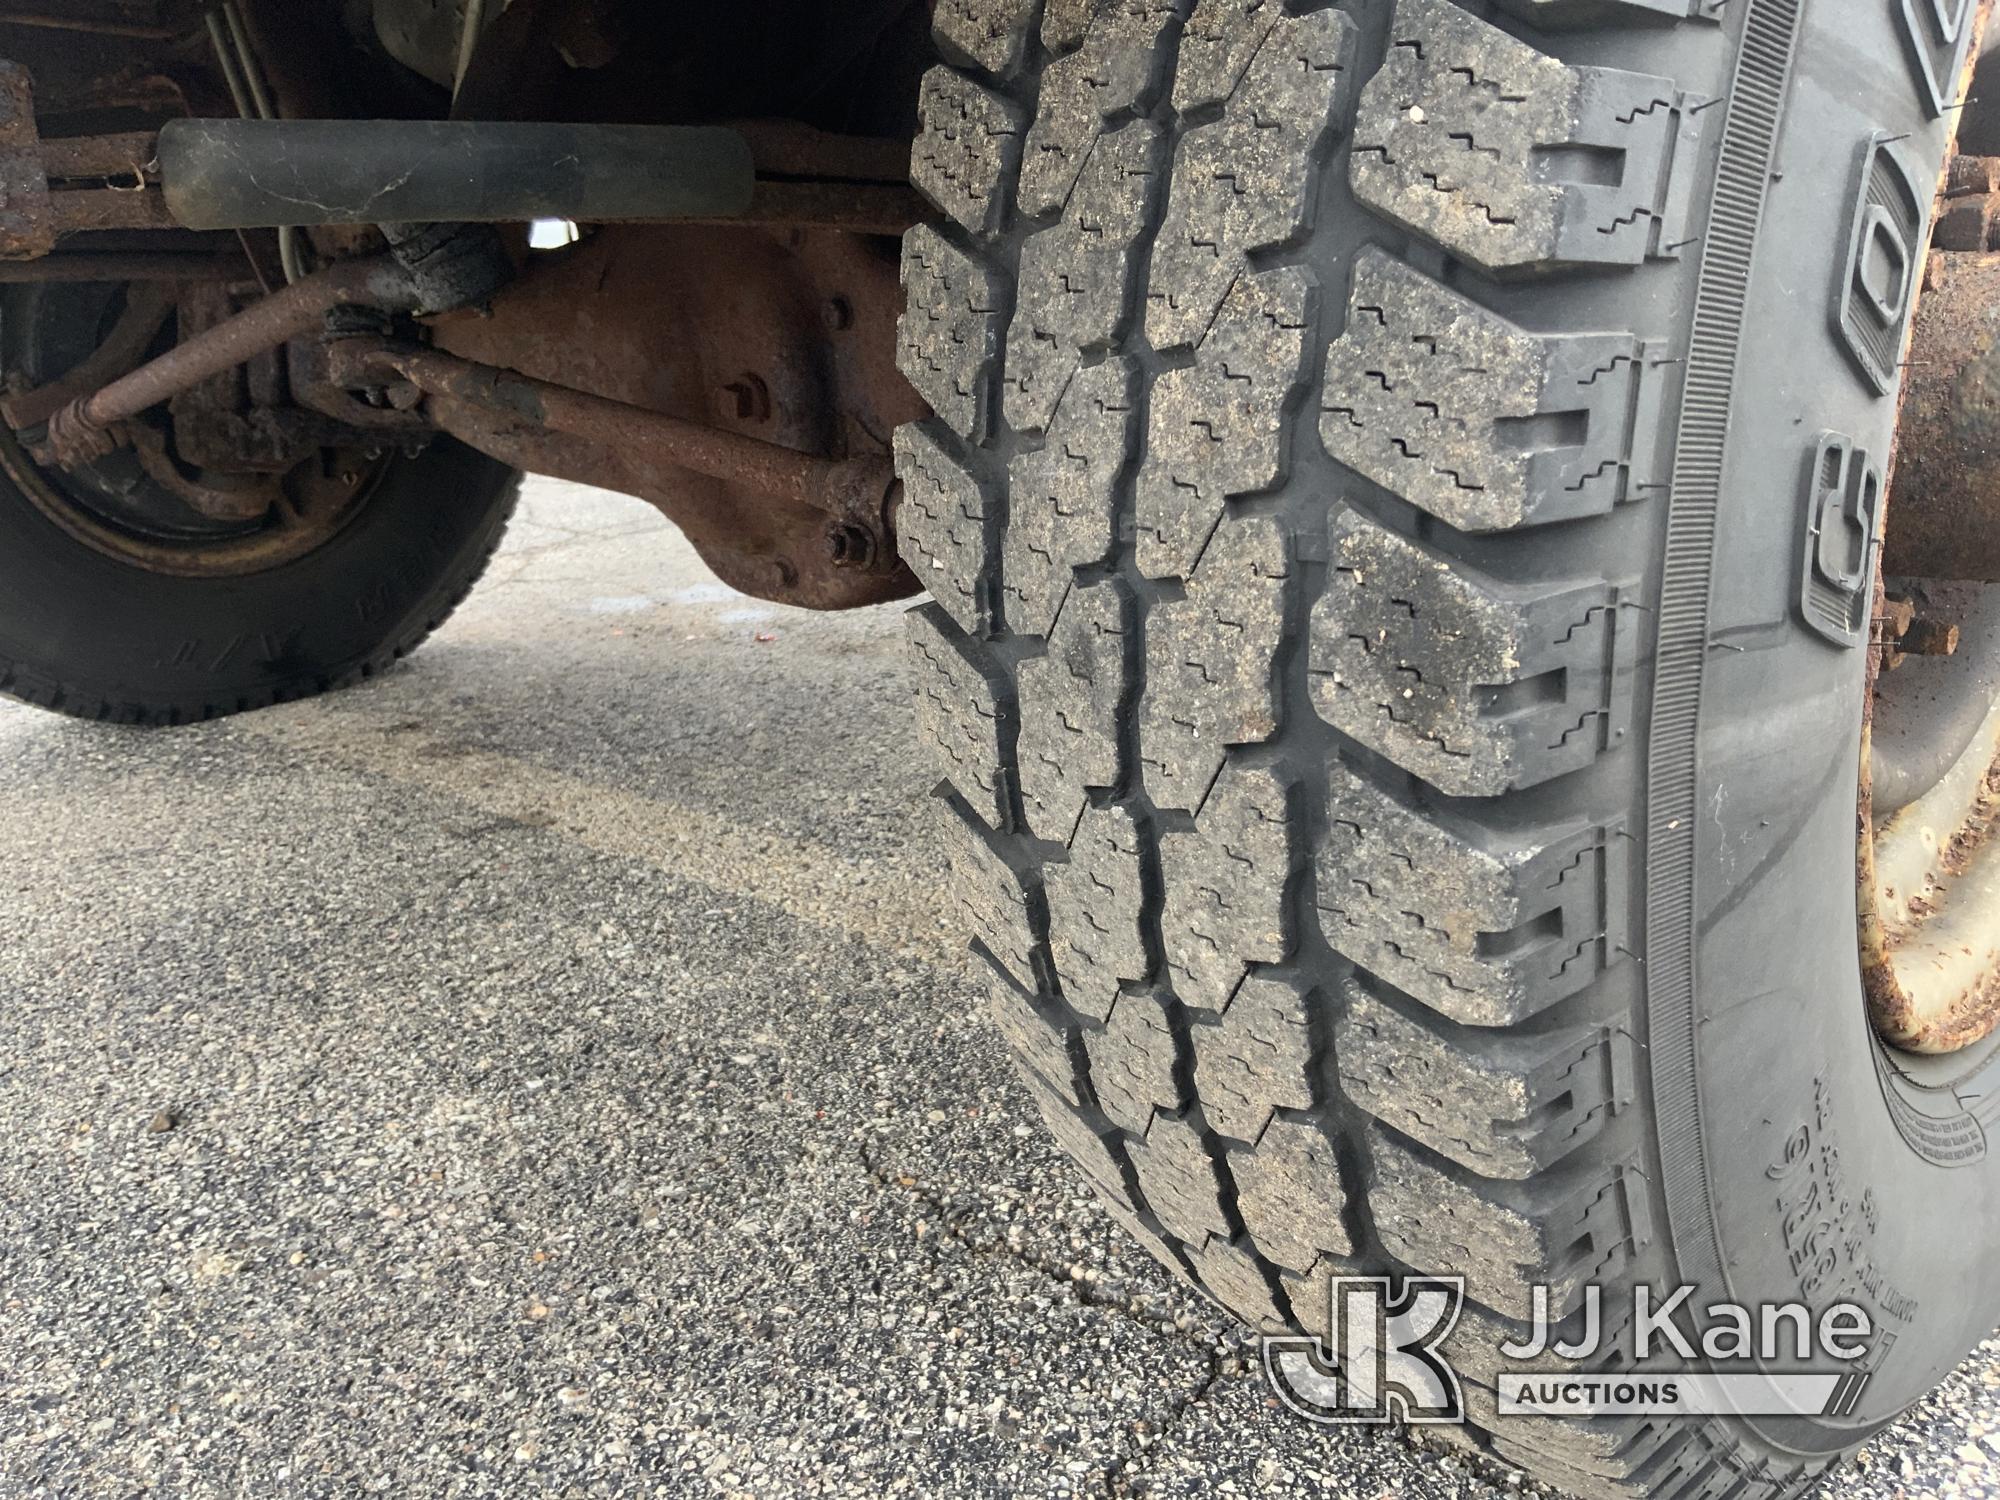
column 548, row 1068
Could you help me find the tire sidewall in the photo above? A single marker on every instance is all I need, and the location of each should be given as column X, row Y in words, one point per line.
column 106, row 636
column 1831, row 1168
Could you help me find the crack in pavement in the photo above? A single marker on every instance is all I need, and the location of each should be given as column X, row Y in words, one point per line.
column 1233, row 1358
column 960, row 1218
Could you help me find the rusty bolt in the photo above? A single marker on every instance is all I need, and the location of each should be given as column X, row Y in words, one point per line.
column 1929, row 638
column 1969, row 219
column 75, row 439
column 1966, row 224
column 1972, row 174
column 1899, row 612
column 1904, row 632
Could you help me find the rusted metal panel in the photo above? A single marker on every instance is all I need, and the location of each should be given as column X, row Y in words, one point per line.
column 127, row 154
column 787, row 337
column 80, row 210
column 1943, row 516
column 27, row 228
column 1930, row 906
column 1967, row 219
column 545, row 427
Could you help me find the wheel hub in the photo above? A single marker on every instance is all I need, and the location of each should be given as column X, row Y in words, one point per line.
column 147, row 503
column 1928, row 864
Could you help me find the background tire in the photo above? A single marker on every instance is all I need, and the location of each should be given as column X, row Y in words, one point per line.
column 98, row 636
column 1394, row 754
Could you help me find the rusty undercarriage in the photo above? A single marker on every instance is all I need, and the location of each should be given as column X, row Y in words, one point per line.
column 719, row 341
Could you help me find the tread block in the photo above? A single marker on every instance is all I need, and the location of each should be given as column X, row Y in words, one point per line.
column 1505, row 156
column 1221, row 428
column 1132, row 1062
column 989, row 899
column 1072, row 699
column 1115, row 72
column 1063, row 496
column 1474, row 1344
column 964, row 711
column 1472, row 1347
column 946, row 524
column 949, row 331
column 1042, row 1041
column 1292, row 1195
column 1684, row 1473
column 1076, row 277
column 1243, row 182
column 1210, row 681
column 1253, row 1059
column 1477, row 686
column 1225, row 886
column 967, row 149
column 1233, row 1276
column 1504, row 1105
column 1503, row 1237
column 1600, row 1447
column 1081, row 1142
column 1178, row 1179
column 1484, row 930
column 1310, row 1293
column 1065, row 23
column 1094, row 901
column 1217, row 45
column 991, row 34
column 1596, row 1448
column 1470, row 418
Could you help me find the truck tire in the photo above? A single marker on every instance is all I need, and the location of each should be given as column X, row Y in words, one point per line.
column 150, row 615
column 1398, row 744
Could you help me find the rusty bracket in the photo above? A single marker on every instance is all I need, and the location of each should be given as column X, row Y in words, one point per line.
column 27, row 227
column 52, row 188
column 1969, row 216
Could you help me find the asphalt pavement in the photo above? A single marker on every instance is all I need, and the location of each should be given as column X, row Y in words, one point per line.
column 546, row 1069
